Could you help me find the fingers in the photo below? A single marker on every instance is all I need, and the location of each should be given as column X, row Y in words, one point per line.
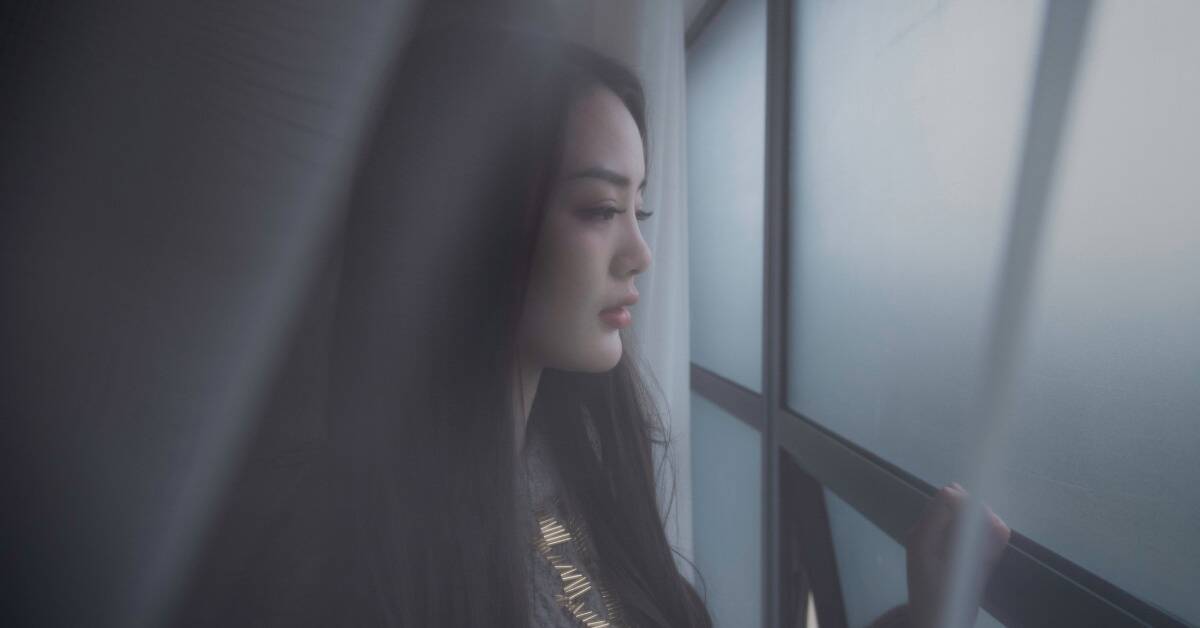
column 929, row 537
column 997, row 535
column 933, row 531
column 1000, row 530
column 930, row 544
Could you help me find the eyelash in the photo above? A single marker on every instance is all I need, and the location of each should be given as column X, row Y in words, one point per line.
column 606, row 213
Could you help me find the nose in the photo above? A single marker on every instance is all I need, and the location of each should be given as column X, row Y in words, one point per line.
column 633, row 257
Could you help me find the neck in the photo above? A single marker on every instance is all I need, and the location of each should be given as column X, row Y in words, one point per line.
column 524, row 390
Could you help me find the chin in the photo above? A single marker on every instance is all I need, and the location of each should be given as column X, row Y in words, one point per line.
column 600, row 357
column 612, row 352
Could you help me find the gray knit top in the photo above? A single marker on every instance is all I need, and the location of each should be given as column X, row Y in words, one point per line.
column 540, row 491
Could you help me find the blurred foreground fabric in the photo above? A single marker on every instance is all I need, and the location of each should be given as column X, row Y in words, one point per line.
column 172, row 181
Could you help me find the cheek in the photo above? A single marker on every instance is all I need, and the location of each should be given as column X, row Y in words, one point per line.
column 566, row 292
column 570, row 271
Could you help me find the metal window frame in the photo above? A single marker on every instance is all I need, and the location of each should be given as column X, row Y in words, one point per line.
column 1032, row 585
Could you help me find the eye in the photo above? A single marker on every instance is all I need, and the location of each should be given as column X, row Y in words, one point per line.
column 601, row 213
column 641, row 215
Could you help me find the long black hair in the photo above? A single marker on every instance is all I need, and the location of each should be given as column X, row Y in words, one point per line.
column 443, row 217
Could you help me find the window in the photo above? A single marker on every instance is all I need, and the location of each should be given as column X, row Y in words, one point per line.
column 726, row 94
column 727, row 511
column 726, row 90
column 908, row 130
column 925, row 162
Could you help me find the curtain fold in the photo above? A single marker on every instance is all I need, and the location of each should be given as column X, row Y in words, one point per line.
column 172, row 178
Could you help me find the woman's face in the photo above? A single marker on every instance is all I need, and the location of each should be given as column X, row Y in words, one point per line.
column 590, row 247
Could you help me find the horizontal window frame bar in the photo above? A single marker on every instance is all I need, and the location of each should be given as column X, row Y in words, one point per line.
column 730, row 396
column 1032, row 585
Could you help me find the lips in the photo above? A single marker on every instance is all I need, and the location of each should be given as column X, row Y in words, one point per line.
column 618, row 315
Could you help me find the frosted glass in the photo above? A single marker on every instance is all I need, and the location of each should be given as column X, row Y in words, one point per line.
column 727, row 513
column 871, row 567
column 726, row 116
column 1114, row 361
column 906, row 142
column 907, row 133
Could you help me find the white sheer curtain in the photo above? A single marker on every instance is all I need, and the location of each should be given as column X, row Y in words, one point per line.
column 649, row 37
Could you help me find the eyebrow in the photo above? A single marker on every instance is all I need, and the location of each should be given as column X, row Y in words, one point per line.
column 604, row 174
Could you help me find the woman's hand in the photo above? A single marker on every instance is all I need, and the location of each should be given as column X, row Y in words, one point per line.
column 929, row 546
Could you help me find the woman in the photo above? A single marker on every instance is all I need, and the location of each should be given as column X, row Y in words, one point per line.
column 491, row 430
column 485, row 237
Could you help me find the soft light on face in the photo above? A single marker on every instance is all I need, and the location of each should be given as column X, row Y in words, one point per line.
column 590, row 247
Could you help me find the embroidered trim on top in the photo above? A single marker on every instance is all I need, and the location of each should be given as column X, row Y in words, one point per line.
column 575, row 582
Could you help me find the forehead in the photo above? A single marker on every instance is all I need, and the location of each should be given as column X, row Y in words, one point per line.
column 600, row 132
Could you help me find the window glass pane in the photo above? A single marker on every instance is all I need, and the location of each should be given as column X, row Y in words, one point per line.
column 871, row 566
column 1103, row 463
column 908, row 126
column 907, row 132
column 727, row 513
column 726, row 92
